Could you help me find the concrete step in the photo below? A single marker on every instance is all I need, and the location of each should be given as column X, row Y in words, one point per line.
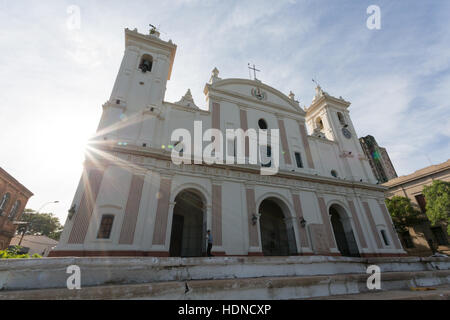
column 262, row 288
column 24, row 274
column 428, row 293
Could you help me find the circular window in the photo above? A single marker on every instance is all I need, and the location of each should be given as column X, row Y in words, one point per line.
column 334, row 173
column 262, row 124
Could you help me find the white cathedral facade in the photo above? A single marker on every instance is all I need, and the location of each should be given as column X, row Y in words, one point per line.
column 133, row 200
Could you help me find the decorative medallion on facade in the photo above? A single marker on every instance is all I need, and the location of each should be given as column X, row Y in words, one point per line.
column 258, row 94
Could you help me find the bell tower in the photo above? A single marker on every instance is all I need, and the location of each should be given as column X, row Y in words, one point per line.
column 329, row 118
column 139, row 88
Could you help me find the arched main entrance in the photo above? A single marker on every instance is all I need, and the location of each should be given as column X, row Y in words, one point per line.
column 343, row 232
column 277, row 233
column 188, row 226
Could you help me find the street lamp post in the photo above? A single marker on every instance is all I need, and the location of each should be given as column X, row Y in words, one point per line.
column 29, row 223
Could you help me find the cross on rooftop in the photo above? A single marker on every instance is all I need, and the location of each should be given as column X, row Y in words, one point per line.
column 254, row 70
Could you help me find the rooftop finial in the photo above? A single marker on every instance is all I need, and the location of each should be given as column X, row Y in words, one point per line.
column 215, row 72
column 317, row 84
column 319, row 91
column 188, row 95
column 214, row 75
column 154, row 31
column 291, row 95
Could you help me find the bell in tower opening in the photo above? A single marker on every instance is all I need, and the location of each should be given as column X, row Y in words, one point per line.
column 146, row 63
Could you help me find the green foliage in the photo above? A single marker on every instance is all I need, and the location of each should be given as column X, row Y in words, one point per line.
column 437, row 197
column 41, row 224
column 402, row 212
column 14, row 253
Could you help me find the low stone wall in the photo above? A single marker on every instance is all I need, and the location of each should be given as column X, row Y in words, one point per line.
column 19, row 274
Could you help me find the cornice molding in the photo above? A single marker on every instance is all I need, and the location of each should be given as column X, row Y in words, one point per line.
column 322, row 140
column 335, row 102
column 11, row 181
column 111, row 104
column 419, row 174
column 252, row 172
column 187, row 109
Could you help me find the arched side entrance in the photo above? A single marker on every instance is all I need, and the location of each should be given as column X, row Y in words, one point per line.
column 277, row 231
column 343, row 232
column 188, row 225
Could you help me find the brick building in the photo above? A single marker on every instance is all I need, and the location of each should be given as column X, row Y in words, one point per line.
column 13, row 199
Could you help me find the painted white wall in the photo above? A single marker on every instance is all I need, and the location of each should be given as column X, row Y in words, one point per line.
column 111, row 199
column 234, row 219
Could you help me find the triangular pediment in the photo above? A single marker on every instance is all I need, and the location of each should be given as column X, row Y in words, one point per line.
column 257, row 92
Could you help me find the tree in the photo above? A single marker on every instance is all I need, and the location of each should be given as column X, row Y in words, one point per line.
column 14, row 253
column 402, row 212
column 40, row 224
column 437, row 197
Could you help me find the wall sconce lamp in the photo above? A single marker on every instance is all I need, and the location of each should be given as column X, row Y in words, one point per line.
column 254, row 219
column 303, row 222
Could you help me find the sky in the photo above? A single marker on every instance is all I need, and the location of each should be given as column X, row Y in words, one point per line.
column 59, row 60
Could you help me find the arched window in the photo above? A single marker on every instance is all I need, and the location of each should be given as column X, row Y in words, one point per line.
column 385, row 237
column 262, row 124
column 104, row 232
column 4, row 202
column 341, row 118
column 146, row 63
column 298, row 159
column 14, row 210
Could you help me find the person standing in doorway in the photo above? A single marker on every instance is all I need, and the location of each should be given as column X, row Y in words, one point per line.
column 432, row 247
column 210, row 242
